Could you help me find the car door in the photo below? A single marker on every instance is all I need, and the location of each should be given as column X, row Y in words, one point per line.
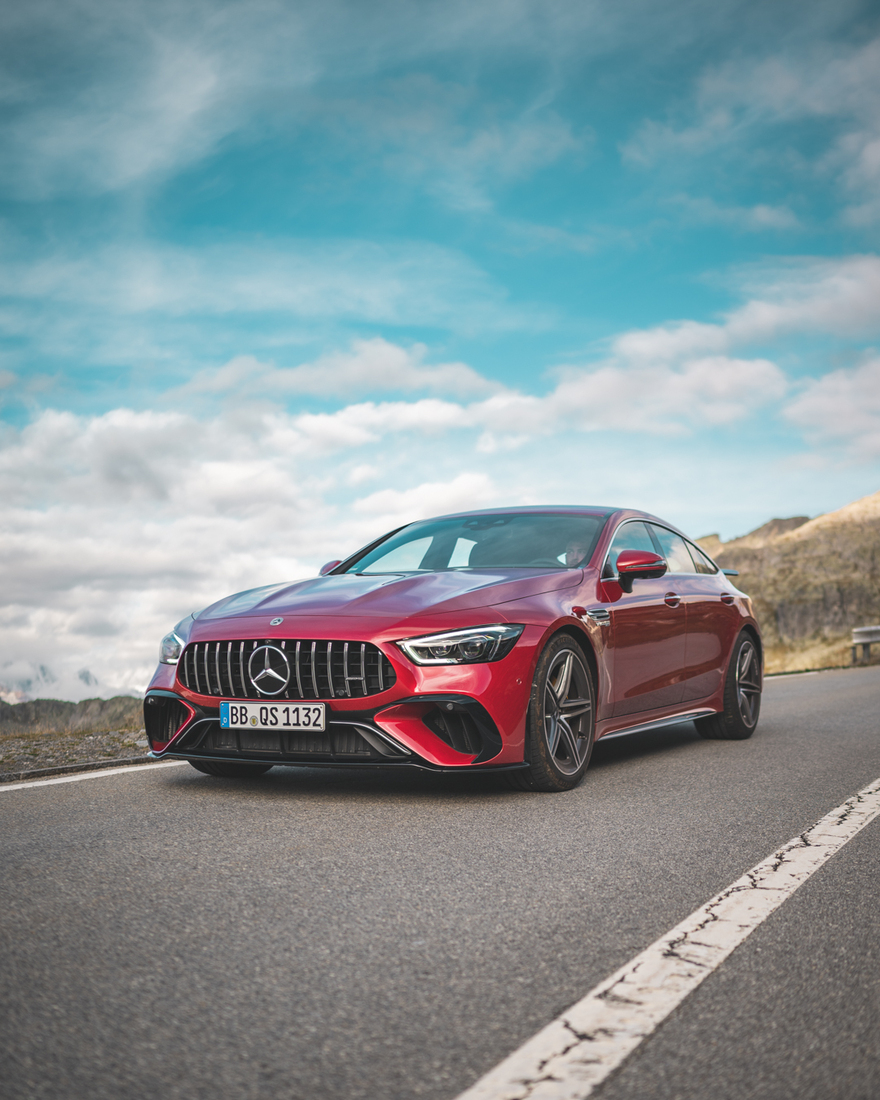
column 647, row 631
column 710, row 621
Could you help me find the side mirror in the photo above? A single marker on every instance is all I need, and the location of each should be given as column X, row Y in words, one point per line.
column 633, row 565
column 330, row 565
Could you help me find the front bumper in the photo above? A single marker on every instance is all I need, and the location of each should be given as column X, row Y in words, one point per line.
column 435, row 717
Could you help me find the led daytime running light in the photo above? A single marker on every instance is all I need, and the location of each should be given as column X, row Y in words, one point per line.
column 476, row 645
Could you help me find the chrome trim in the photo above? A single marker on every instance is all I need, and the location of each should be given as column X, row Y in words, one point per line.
column 299, row 686
column 330, row 669
column 658, row 724
column 207, row 673
column 244, row 682
column 315, row 670
column 599, row 614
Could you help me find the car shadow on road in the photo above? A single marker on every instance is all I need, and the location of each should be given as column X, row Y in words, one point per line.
column 393, row 782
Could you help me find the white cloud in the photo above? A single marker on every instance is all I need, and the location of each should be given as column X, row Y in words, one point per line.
column 735, row 102
column 394, row 507
column 837, row 296
column 371, row 366
column 447, row 136
column 145, row 305
column 754, row 219
column 842, row 408
column 302, row 278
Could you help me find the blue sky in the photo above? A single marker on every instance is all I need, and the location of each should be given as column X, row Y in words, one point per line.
column 276, row 276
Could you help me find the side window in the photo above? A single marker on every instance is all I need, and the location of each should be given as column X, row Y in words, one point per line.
column 702, row 564
column 631, row 536
column 674, row 549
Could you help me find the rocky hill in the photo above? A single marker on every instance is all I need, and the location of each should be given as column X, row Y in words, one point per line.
column 811, row 581
column 122, row 712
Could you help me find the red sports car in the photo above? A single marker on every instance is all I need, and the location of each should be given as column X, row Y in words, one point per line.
column 504, row 640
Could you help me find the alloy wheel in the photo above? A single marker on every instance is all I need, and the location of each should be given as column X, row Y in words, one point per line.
column 568, row 711
column 748, row 684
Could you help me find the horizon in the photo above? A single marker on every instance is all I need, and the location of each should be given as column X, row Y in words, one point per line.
column 278, row 278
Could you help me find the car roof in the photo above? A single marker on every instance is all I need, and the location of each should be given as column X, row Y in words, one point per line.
column 532, row 509
column 560, row 509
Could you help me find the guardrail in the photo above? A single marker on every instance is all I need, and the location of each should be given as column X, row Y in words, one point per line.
column 864, row 636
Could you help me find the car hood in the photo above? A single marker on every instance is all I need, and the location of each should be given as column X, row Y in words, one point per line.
column 392, row 596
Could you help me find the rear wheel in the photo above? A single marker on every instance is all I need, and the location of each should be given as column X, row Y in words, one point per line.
column 742, row 696
column 230, row 771
column 561, row 720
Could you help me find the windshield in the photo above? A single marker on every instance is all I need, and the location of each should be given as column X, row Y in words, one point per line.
column 526, row 541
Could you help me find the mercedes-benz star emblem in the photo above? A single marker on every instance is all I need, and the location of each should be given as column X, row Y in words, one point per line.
column 268, row 669
column 276, row 622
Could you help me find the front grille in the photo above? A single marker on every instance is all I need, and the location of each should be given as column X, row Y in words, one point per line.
column 317, row 670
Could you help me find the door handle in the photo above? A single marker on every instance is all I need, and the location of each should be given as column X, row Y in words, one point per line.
column 672, row 599
column 727, row 598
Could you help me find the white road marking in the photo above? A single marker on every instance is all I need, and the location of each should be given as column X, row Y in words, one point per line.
column 577, row 1051
column 75, row 778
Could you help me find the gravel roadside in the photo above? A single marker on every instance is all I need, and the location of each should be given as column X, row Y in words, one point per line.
column 23, row 751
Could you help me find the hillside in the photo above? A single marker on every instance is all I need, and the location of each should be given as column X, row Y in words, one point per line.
column 811, row 581
column 122, row 712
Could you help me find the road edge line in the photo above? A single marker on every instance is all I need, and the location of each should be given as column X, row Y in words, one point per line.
column 75, row 778
column 578, row 1050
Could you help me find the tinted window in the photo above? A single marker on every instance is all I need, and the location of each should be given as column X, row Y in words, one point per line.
column 674, row 549
column 702, row 564
column 631, row 536
column 485, row 542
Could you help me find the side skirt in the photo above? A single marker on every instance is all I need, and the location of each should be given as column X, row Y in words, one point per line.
column 658, row 724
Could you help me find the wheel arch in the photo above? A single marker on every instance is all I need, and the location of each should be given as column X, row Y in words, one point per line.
column 586, row 647
column 754, row 634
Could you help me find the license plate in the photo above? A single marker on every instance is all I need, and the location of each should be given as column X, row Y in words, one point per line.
column 273, row 716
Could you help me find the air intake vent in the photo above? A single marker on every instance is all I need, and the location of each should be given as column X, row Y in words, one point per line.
column 290, row 669
column 163, row 717
column 456, row 727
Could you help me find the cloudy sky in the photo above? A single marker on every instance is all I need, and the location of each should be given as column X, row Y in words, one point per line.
column 276, row 276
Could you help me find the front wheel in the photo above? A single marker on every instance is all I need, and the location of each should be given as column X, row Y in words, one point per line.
column 561, row 720
column 742, row 696
column 230, row 771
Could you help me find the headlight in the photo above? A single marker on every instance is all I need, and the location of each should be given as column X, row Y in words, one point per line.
column 475, row 645
column 170, row 649
column 171, row 646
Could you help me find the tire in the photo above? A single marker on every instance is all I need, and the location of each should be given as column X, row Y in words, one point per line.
column 561, row 720
column 742, row 696
column 230, row 771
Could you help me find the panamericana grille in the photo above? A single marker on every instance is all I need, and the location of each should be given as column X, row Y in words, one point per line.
column 317, row 669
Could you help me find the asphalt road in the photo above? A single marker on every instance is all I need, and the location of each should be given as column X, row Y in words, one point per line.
column 337, row 934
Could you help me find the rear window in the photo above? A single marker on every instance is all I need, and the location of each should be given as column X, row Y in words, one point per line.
column 674, row 549
column 702, row 563
column 518, row 540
